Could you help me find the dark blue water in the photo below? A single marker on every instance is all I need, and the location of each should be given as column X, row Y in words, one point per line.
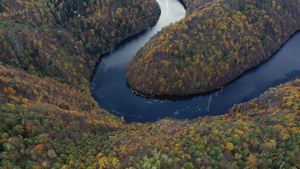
column 111, row 92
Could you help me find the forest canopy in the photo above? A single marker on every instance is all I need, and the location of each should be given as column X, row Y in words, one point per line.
column 48, row 118
column 64, row 39
column 215, row 43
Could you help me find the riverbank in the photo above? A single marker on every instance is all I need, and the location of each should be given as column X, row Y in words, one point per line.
column 66, row 45
column 210, row 48
column 48, row 118
column 193, row 94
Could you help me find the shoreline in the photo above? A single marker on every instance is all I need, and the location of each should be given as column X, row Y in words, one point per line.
column 190, row 95
column 94, row 70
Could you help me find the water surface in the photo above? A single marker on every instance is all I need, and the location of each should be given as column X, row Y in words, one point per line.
column 112, row 93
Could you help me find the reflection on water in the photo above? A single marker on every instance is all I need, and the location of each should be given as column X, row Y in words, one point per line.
column 112, row 93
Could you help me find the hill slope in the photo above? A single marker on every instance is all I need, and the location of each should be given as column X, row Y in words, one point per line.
column 64, row 39
column 215, row 43
column 48, row 118
column 36, row 133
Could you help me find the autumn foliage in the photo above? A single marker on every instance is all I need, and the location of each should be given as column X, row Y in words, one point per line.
column 63, row 39
column 48, row 118
column 214, row 44
column 8, row 91
column 262, row 133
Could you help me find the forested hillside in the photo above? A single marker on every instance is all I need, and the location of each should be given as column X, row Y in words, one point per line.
column 44, row 122
column 64, row 39
column 48, row 118
column 38, row 133
column 262, row 133
column 215, row 43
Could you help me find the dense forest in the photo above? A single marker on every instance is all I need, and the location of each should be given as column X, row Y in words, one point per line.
column 215, row 43
column 48, row 118
column 64, row 39
column 38, row 131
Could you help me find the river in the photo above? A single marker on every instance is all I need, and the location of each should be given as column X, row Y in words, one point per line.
column 110, row 89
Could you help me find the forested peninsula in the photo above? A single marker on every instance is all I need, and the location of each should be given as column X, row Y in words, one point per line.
column 48, row 118
column 214, row 44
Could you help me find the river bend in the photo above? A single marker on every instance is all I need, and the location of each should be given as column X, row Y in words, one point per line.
column 110, row 89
